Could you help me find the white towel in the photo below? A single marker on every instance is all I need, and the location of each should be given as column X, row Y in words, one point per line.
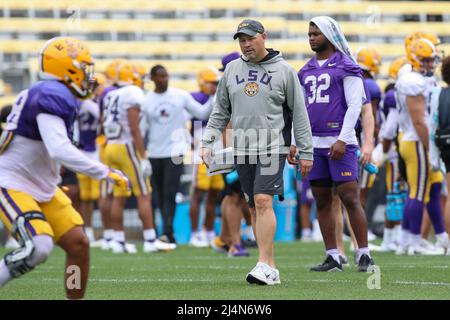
column 331, row 30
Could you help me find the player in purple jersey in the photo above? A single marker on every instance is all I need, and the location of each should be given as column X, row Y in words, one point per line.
column 334, row 95
column 37, row 141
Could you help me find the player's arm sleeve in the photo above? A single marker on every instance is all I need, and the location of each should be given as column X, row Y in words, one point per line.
column 196, row 109
column 391, row 125
column 54, row 135
column 220, row 115
column 354, row 97
column 302, row 129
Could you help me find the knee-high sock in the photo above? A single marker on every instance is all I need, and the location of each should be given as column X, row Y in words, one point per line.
column 416, row 211
column 434, row 208
column 406, row 220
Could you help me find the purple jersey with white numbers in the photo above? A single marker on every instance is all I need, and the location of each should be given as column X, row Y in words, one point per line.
column 324, row 92
column 88, row 125
column 201, row 98
column 389, row 102
column 103, row 95
column 52, row 97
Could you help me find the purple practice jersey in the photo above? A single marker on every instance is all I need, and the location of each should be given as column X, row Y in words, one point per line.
column 389, row 102
column 375, row 95
column 201, row 98
column 324, row 92
column 52, row 97
column 88, row 125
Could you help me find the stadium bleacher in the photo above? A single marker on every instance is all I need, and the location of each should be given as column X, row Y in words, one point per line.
column 187, row 35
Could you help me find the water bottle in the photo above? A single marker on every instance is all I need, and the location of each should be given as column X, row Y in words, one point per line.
column 370, row 167
column 231, row 177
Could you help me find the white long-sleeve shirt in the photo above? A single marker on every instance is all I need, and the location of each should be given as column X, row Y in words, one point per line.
column 32, row 166
column 165, row 121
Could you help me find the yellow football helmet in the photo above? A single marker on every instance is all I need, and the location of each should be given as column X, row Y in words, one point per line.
column 100, row 78
column 131, row 73
column 420, row 49
column 68, row 60
column 413, row 36
column 369, row 59
column 207, row 75
column 112, row 70
column 395, row 66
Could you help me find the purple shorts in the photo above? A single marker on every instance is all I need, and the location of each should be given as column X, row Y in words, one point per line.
column 342, row 170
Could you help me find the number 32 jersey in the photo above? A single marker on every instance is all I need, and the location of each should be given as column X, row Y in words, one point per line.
column 324, row 92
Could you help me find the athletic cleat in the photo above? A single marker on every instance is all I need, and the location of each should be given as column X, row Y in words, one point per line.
column 198, row 242
column 344, row 261
column 388, row 247
column 366, row 264
column 443, row 242
column 238, row 250
column 425, row 248
column 329, row 265
column 218, row 245
column 263, row 274
column 164, row 246
column 149, row 246
column 402, row 249
column 122, row 247
column 105, row 244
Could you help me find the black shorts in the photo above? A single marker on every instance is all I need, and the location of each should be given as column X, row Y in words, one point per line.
column 68, row 178
column 261, row 174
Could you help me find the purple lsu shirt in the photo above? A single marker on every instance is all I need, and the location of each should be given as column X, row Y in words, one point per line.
column 389, row 102
column 324, row 92
column 52, row 97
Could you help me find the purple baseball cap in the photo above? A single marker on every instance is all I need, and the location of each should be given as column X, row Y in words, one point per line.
column 228, row 58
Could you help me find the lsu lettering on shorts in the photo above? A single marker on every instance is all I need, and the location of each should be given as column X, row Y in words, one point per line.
column 343, row 170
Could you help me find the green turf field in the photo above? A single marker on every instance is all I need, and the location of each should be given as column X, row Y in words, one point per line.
column 190, row 273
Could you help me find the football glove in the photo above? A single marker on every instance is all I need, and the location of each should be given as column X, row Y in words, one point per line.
column 146, row 167
column 119, row 179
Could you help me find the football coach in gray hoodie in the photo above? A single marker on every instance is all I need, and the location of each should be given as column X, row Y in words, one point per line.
column 261, row 94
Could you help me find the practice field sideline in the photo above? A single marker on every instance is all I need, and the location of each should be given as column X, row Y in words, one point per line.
column 190, row 273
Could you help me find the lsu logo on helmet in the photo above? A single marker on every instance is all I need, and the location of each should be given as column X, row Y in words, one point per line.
column 68, row 60
column 419, row 50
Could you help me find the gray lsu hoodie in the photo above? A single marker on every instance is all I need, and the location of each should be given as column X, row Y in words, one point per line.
column 263, row 101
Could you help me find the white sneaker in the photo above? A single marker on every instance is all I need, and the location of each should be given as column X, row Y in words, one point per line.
column 164, row 246
column 388, row 246
column 149, row 246
column 263, row 274
column 443, row 242
column 96, row 243
column 12, row 244
column 307, row 238
column 402, row 249
column 424, row 248
column 118, row 247
column 371, row 236
column 198, row 242
column 104, row 245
